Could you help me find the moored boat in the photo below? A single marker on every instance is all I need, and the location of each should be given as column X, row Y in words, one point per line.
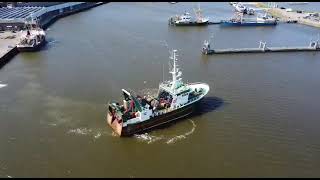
column 175, row 100
column 259, row 21
column 187, row 20
column 32, row 39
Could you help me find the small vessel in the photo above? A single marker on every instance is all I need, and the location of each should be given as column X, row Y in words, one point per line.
column 186, row 19
column 175, row 100
column 259, row 21
column 173, row 2
column 33, row 38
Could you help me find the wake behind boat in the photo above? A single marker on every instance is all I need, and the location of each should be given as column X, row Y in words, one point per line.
column 174, row 100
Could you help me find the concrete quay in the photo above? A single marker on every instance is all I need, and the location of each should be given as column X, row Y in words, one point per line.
column 8, row 49
column 283, row 15
column 46, row 16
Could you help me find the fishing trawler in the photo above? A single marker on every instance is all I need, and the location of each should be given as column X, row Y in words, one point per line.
column 187, row 20
column 261, row 20
column 175, row 100
column 33, row 38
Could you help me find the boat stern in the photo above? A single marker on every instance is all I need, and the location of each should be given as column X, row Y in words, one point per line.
column 114, row 122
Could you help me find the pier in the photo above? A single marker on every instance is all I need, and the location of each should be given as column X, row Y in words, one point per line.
column 313, row 46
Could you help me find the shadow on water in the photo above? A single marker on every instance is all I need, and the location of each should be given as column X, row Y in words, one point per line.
column 206, row 105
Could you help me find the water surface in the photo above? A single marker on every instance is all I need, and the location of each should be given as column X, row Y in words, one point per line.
column 260, row 118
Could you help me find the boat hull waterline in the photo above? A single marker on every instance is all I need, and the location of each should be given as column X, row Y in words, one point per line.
column 224, row 23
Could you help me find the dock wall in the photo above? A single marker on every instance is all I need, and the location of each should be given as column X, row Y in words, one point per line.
column 8, row 56
column 46, row 17
column 51, row 14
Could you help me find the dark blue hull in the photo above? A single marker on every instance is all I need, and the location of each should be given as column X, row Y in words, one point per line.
column 228, row 23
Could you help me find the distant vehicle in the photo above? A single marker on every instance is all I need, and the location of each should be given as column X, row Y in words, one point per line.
column 282, row 8
column 297, row 3
column 233, row 3
column 289, row 10
column 292, row 21
column 250, row 11
column 299, row 11
column 240, row 8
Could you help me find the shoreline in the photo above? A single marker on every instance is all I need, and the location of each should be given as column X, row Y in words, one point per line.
column 283, row 15
column 8, row 48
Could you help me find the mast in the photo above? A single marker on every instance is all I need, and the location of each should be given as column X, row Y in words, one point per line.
column 198, row 13
column 175, row 71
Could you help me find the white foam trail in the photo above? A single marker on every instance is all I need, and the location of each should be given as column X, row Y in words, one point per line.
column 147, row 137
column 9, row 176
column 151, row 139
column 53, row 41
column 2, row 85
column 183, row 136
column 98, row 135
column 81, row 131
column 89, row 132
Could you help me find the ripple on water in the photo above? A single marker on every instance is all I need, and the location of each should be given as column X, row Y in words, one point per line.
column 95, row 133
column 149, row 138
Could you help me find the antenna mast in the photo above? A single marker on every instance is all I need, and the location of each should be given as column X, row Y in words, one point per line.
column 174, row 70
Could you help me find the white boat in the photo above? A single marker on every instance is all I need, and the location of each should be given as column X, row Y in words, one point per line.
column 187, row 20
column 175, row 100
column 250, row 11
column 33, row 38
